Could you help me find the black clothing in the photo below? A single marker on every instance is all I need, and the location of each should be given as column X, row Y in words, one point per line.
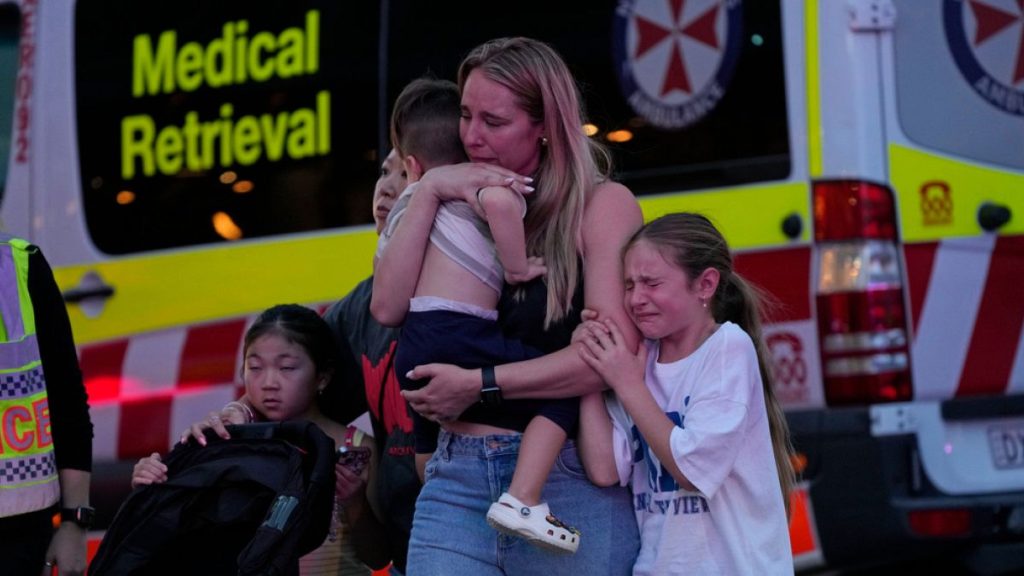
column 69, row 408
column 365, row 380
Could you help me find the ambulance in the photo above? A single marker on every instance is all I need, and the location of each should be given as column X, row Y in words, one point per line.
column 187, row 164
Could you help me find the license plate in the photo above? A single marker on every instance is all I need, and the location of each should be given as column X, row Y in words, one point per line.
column 1007, row 445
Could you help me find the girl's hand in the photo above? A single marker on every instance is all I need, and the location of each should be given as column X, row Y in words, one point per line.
column 604, row 349
column 149, row 470
column 448, row 393
column 347, row 484
column 462, row 181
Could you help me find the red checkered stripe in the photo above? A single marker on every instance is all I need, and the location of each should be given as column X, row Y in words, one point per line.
column 967, row 308
column 145, row 390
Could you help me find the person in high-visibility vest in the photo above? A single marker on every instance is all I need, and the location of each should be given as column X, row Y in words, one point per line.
column 45, row 427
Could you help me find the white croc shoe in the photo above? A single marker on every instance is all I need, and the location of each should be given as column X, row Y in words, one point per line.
column 533, row 523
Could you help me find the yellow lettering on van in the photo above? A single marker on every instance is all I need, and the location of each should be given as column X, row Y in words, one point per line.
column 302, row 135
column 199, row 145
column 248, row 147
column 209, row 131
column 189, row 68
column 260, row 69
column 274, row 130
column 231, row 58
column 169, row 144
column 241, row 48
column 153, row 74
column 192, row 159
column 136, row 144
column 219, row 60
column 291, row 53
column 312, row 41
column 323, row 122
column 226, row 153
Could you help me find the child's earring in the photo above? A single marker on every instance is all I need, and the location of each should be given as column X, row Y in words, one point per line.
column 703, row 302
column 544, row 141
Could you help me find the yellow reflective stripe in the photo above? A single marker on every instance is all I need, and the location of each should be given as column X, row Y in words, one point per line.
column 918, row 178
column 24, row 368
column 44, row 480
column 812, row 51
column 185, row 287
column 749, row 217
column 20, row 255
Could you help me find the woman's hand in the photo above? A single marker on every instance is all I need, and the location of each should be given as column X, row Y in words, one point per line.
column 216, row 421
column 605, row 350
column 67, row 550
column 448, row 393
column 149, row 470
column 462, row 181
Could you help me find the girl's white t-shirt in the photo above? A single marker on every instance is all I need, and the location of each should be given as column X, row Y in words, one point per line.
column 736, row 522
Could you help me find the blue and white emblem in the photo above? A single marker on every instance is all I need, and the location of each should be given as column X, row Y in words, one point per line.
column 675, row 57
column 986, row 38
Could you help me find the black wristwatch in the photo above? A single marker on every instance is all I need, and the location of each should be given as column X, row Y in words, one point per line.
column 83, row 515
column 490, row 394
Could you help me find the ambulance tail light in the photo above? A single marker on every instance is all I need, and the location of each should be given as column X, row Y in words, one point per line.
column 862, row 321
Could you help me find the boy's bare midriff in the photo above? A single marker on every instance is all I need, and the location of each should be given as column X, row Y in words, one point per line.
column 442, row 277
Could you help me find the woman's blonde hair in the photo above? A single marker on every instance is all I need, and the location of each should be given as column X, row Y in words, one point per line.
column 693, row 244
column 571, row 164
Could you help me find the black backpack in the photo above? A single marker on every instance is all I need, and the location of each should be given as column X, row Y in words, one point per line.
column 251, row 505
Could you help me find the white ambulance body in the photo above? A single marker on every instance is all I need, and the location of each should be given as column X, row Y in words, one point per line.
column 185, row 165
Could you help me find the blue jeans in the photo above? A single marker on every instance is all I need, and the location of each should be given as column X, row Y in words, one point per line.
column 450, row 534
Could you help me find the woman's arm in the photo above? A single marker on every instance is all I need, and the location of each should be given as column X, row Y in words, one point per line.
column 611, row 219
column 398, row 268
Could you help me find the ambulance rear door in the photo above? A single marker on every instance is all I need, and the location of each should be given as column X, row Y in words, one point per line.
column 953, row 78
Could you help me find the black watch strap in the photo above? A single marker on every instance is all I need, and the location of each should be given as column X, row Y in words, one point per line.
column 490, row 394
column 82, row 515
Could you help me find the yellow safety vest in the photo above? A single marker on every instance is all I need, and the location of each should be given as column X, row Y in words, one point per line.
column 28, row 471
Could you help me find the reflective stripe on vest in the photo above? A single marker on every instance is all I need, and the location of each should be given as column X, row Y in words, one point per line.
column 28, row 471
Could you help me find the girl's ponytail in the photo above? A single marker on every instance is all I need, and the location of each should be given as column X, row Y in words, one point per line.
column 741, row 302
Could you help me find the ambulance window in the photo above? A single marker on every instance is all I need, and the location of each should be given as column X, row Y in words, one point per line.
column 685, row 101
column 9, row 22
column 205, row 122
column 960, row 78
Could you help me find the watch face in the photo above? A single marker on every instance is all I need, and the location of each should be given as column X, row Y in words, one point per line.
column 83, row 515
column 491, row 396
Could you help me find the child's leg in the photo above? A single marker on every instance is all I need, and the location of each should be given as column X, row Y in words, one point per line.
column 542, row 441
column 520, row 511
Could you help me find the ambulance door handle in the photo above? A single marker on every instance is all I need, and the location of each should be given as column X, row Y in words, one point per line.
column 792, row 226
column 992, row 216
column 91, row 287
column 76, row 295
